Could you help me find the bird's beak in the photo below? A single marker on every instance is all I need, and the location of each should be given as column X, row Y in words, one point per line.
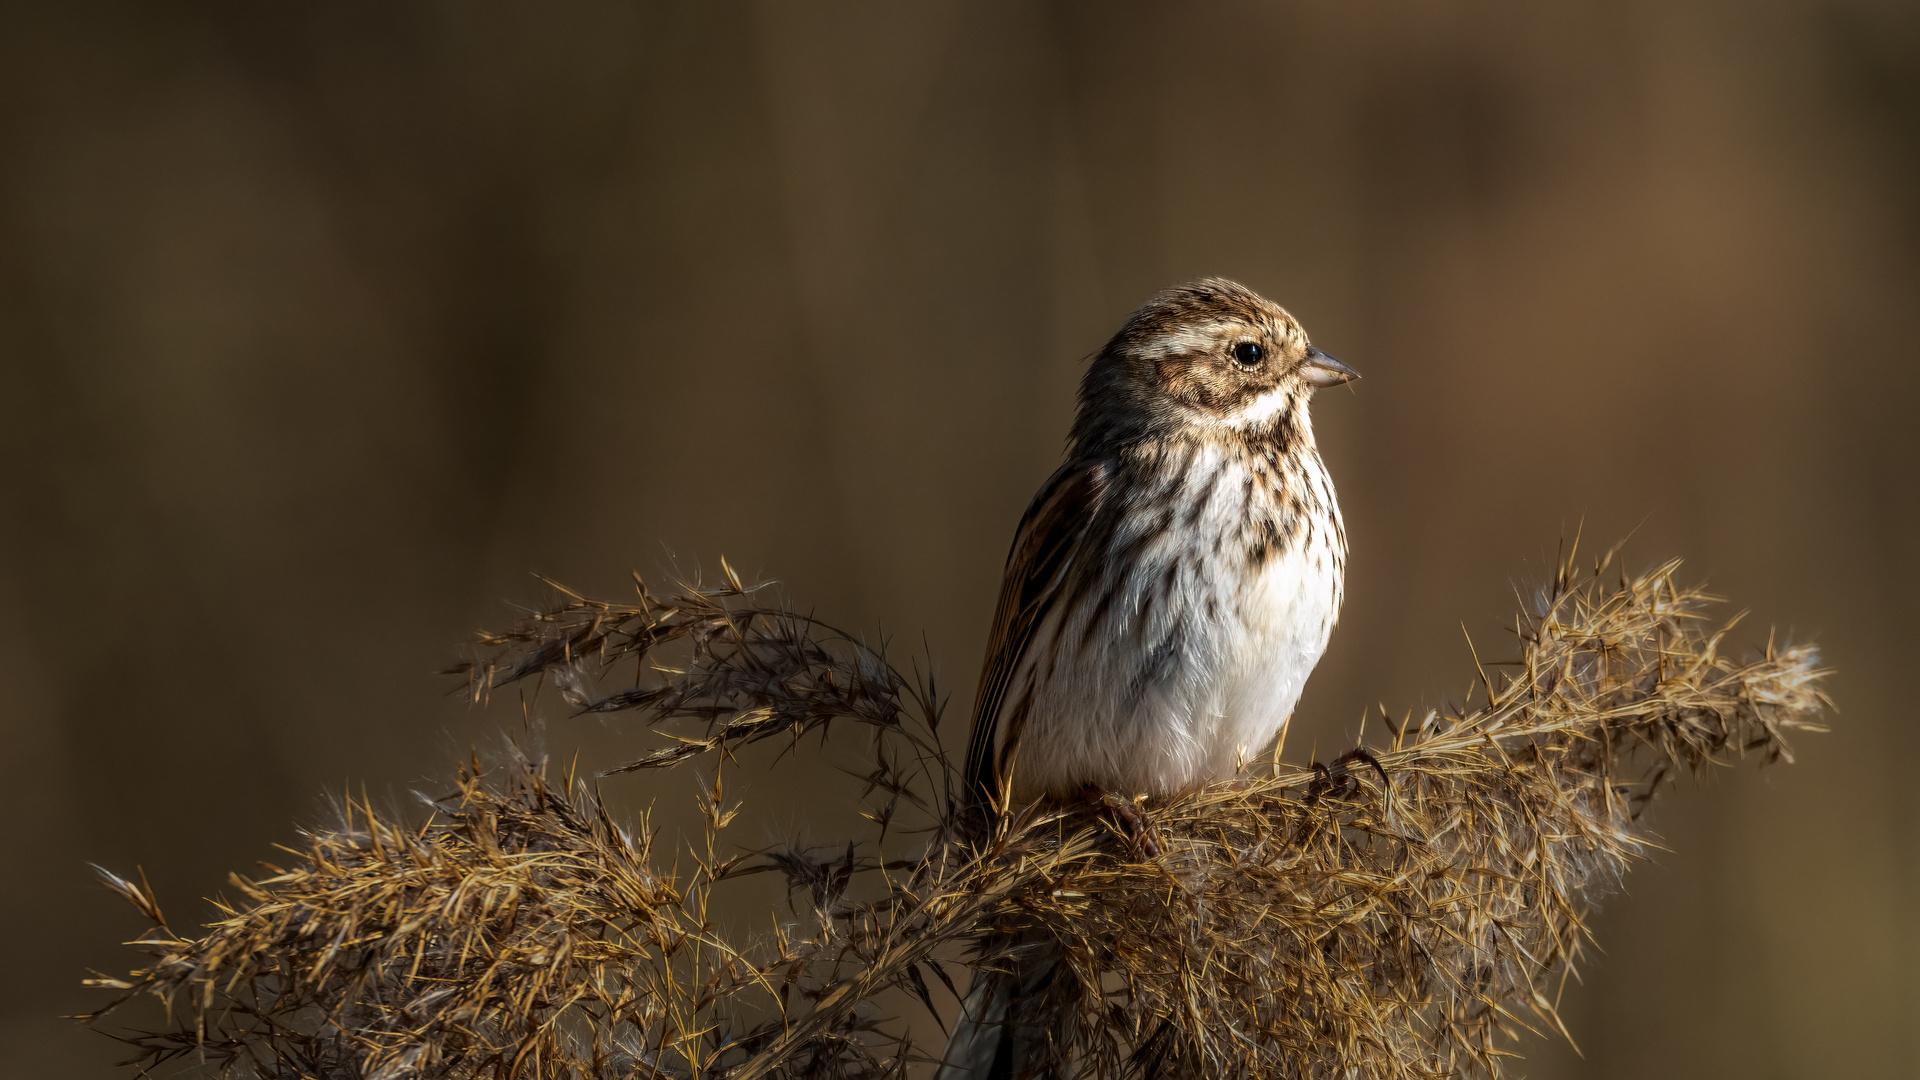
column 1323, row 370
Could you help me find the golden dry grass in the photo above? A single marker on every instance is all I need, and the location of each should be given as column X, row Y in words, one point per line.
column 1398, row 912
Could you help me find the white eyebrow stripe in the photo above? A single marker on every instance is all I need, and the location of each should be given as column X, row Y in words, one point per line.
column 1187, row 340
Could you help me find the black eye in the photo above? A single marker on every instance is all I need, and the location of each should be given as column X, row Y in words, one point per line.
column 1248, row 354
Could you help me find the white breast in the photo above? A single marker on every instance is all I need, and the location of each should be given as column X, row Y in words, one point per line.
column 1112, row 708
column 1287, row 618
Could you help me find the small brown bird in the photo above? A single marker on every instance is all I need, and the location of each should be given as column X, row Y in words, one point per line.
column 1168, row 592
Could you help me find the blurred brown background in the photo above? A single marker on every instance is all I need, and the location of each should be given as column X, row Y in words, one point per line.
column 323, row 325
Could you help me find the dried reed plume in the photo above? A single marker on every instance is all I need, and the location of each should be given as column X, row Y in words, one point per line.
column 1396, row 913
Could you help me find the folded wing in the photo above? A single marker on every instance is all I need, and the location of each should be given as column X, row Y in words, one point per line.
column 1046, row 550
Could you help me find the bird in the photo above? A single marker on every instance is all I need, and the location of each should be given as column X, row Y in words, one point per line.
column 1167, row 593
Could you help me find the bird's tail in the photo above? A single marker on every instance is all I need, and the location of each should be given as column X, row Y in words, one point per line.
column 1013, row 1023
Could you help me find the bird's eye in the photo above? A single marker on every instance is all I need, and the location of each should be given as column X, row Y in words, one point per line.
column 1248, row 354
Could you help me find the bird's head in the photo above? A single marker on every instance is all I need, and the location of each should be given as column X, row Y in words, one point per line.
column 1209, row 354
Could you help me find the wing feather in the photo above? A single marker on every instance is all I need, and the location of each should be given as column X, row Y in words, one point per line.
column 1037, row 567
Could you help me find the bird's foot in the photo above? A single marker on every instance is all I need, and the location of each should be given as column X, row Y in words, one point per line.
column 1132, row 819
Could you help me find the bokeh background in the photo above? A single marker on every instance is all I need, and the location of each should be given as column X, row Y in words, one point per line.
column 324, row 325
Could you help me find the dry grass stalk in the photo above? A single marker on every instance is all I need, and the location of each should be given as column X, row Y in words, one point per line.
column 1394, row 914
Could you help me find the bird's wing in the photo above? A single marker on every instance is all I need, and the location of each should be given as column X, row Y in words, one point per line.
column 1037, row 567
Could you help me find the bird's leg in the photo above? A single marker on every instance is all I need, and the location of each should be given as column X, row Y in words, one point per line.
column 1132, row 820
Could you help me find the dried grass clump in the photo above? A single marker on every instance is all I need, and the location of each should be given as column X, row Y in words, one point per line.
column 1396, row 913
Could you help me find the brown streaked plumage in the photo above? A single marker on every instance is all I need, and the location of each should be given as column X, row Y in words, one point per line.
column 1168, row 592
column 1191, row 476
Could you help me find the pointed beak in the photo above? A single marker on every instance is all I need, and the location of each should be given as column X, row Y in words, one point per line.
column 1323, row 370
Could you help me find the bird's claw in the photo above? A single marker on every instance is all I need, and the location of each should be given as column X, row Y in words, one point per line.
column 1132, row 819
